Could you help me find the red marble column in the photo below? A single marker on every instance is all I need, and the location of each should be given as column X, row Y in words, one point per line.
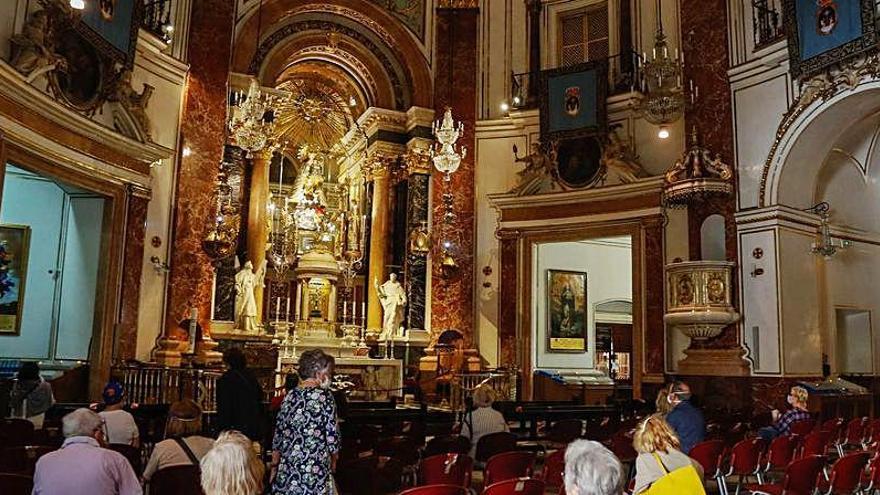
column 705, row 48
column 135, row 227
column 654, row 338
column 455, row 86
column 202, row 131
column 507, row 315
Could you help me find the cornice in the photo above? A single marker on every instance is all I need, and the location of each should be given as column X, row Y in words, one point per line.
column 375, row 119
column 419, row 116
column 151, row 56
column 651, row 185
column 14, row 87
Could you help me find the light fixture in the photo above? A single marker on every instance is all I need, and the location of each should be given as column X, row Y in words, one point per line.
column 77, row 4
column 224, row 223
column 663, row 133
column 826, row 247
column 505, row 107
column 352, row 102
column 186, row 151
column 444, row 154
column 663, row 101
column 516, row 101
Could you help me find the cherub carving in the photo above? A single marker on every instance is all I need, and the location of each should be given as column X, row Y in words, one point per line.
column 133, row 102
column 31, row 49
column 538, row 170
column 696, row 163
column 618, row 158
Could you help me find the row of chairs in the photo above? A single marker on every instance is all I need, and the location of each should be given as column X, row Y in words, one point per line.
column 520, row 486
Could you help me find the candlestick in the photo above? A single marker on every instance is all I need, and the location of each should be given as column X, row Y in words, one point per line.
column 277, row 309
column 287, row 310
column 364, row 310
column 344, row 311
column 193, row 327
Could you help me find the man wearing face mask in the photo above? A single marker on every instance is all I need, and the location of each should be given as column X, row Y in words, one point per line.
column 306, row 442
column 797, row 399
column 685, row 418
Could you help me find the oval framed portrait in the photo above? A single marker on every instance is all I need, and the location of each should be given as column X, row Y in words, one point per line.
column 578, row 162
column 81, row 83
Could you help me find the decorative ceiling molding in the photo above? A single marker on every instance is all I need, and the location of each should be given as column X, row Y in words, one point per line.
column 359, row 72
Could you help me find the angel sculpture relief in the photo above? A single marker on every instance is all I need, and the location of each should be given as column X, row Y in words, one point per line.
column 32, row 53
column 133, row 102
column 537, row 175
column 617, row 157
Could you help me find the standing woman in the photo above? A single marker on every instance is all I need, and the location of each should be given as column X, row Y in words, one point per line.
column 306, row 439
column 659, row 454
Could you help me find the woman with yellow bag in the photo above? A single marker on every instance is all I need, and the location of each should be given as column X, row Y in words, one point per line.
column 662, row 469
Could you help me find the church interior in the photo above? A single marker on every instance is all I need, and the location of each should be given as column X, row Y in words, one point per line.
column 574, row 206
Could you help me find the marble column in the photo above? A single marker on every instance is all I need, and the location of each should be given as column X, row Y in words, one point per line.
column 418, row 168
column 306, row 308
column 135, row 227
column 534, row 8
column 202, row 135
column 257, row 227
column 379, row 170
column 703, row 46
column 455, row 86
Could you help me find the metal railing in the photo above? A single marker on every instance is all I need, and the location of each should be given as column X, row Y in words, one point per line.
column 624, row 76
column 157, row 18
column 503, row 382
column 161, row 385
column 766, row 22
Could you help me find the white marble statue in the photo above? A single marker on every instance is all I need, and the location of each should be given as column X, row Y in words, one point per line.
column 393, row 299
column 246, row 281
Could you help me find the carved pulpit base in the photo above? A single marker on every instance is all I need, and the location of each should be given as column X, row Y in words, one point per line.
column 714, row 362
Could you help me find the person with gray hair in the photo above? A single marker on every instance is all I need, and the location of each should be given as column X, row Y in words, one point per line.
column 81, row 466
column 306, row 441
column 591, row 469
column 482, row 419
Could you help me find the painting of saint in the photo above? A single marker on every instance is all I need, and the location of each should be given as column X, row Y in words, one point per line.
column 14, row 244
column 566, row 311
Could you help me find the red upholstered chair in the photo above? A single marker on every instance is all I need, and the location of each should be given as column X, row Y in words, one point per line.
column 803, row 428
column 853, row 435
column 845, row 475
column 834, row 426
column 16, row 484
column 493, row 444
column 871, row 481
column 436, row 490
column 446, row 469
column 22, row 460
column 800, row 478
column 815, row 443
column 780, row 453
column 508, row 465
column 16, row 432
column 521, row 486
column 176, row 479
column 455, row 444
column 709, row 455
column 872, row 436
column 554, row 469
column 745, row 460
column 132, row 454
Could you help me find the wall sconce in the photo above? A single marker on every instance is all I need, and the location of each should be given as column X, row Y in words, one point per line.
column 828, row 245
column 160, row 266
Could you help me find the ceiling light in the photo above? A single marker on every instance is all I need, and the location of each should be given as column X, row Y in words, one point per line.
column 517, row 100
column 663, row 133
column 505, row 107
column 77, row 4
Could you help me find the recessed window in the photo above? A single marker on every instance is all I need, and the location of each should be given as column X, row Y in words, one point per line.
column 583, row 35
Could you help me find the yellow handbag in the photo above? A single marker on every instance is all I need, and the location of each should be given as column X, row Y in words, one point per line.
column 681, row 481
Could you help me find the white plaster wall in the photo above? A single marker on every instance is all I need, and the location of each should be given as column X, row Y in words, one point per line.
column 761, row 300
column 609, row 277
column 503, row 51
column 801, row 304
column 676, row 246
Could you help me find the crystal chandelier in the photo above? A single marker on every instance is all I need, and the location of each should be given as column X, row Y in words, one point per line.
column 252, row 118
column 444, row 154
column 827, row 247
column 663, row 101
column 283, row 239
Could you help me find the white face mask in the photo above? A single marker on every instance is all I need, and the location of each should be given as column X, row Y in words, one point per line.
column 325, row 382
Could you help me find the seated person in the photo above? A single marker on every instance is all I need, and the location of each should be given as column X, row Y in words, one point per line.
column 654, row 437
column 232, row 467
column 119, row 425
column 31, row 395
column 482, row 420
column 81, row 466
column 591, row 469
column 685, row 419
column 183, row 444
column 797, row 398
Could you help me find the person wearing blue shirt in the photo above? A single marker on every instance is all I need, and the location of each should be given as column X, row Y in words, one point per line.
column 685, row 418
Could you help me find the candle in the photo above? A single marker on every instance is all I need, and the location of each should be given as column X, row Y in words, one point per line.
column 344, row 311
column 277, row 309
column 193, row 322
column 364, row 310
column 287, row 310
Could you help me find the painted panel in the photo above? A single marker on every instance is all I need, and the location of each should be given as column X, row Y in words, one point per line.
column 760, row 300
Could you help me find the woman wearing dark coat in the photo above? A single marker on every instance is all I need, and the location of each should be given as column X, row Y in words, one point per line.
column 240, row 398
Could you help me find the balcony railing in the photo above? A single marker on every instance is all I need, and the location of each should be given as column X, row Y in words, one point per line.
column 157, row 18
column 766, row 22
column 161, row 385
column 623, row 76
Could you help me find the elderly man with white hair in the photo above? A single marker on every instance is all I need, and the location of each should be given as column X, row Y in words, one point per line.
column 82, row 466
column 591, row 469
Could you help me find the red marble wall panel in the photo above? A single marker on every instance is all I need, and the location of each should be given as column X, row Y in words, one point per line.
column 654, row 338
column 507, row 297
column 705, row 48
column 135, row 227
column 455, row 86
column 203, row 132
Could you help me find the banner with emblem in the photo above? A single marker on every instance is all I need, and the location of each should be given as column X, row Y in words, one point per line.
column 573, row 100
column 112, row 27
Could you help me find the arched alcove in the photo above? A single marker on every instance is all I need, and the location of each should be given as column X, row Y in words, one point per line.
column 712, row 241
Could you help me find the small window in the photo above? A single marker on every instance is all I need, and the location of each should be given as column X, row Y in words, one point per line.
column 583, row 35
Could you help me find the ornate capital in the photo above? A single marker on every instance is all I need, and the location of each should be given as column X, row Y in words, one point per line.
column 417, row 161
column 378, row 166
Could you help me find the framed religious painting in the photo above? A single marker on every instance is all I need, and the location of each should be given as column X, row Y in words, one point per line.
column 822, row 33
column 14, row 246
column 566, row 309
column 573, row 102
column 578, row 162
column 112, row 27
